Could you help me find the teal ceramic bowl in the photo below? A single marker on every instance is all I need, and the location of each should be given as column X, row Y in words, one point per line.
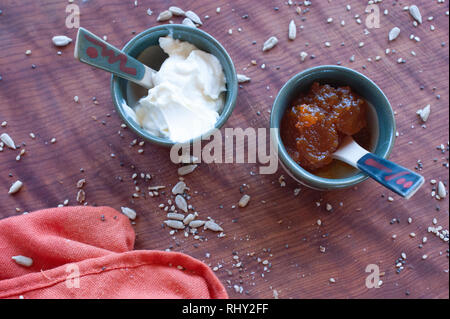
column 381, row 121
column 145, row 48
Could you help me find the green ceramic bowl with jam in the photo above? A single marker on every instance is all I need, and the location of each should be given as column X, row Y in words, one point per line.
column 145, row 48
column 380, row 124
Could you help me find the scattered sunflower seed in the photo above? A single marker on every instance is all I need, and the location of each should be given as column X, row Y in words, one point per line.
column 177, row 11
column 196, row 223
column 212, row 226
column 15, row 187
column 81, row 183
column 394, row 33
column 244, row 201
column 5, row 138
column 243, row 78
column 184, row 170
column 189, row 23
column 194, row 17
column 164, row 16
column 175, row 216
column 175, row 224
column 415, row 13
column 424, row 113
column 61, row 40
column 130, row 213
column 179, row 188
column 189, row 218
column 81, row 196
column 23, row 260
column 292, row 30
column 442, row 192
column 303, row 56
column 270, row 43
column 181, row 203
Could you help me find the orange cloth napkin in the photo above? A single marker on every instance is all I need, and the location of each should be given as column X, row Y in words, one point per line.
column 87, row 252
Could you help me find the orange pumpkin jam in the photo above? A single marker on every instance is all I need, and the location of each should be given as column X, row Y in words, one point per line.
column 312, row 128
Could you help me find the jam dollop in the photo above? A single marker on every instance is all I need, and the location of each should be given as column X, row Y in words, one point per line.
column 313, row 127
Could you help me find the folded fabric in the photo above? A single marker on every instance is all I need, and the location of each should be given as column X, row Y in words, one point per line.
column 87, row 252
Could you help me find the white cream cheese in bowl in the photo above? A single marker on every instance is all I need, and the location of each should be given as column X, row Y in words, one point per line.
column 187, row 96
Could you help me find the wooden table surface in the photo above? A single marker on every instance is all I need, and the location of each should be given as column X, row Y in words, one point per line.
column 276, row 225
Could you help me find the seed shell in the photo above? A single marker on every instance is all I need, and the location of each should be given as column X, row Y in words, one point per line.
column 189, row 23
column 179, row 188
column 184, row 170
column 177, row 11
column 130, row 213
column 243, row 78
column 415, row 13
column 23, row 260
column 175, row 216
column 5, row 138
column 15, row 187
column 181, row 203
column 164, row 16
column 292, row 30
column 194, row 17
column 442, row 192
column 270, row 43
column 175, row 224
column 61, row 40
column 394, row 33
column 212, row 226
column 196, row 223
column 244, row 201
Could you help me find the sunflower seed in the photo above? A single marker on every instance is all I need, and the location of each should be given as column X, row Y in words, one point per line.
column 175, row 224
column 244, row 200
column 164, row 16
column 61, row 40
column 292, row 30
column 177, row 11
column 184, row 170
column 243, row 78
column 393, row 34
column 15, row 187
column 424, row 113
column 175, row 216
column 181, row 203
column 130, row 213
column 5, row 138
column 270, row 43
column 194, row 17
column 212, row 226
column 23, row 261
column 303, row 56
column 81, row 183
column 415, row 13
column 442, row 192
column 188, row 22
column 179, row 188
column 196, row 223
column 188, row 219
column 81, row 196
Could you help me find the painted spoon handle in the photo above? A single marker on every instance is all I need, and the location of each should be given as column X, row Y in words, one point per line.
column 94, row 51
column 393, row 176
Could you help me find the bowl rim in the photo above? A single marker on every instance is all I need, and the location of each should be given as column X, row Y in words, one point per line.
column 299, row 173
column 232, row 88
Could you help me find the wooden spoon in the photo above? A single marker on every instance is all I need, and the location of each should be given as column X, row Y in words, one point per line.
column 94, row 51
column 391, row 175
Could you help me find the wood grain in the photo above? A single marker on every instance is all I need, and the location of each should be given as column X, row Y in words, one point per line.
column 276, row 226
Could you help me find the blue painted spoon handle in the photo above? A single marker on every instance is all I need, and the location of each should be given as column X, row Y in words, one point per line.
column 94, row 51
column 393, row 176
